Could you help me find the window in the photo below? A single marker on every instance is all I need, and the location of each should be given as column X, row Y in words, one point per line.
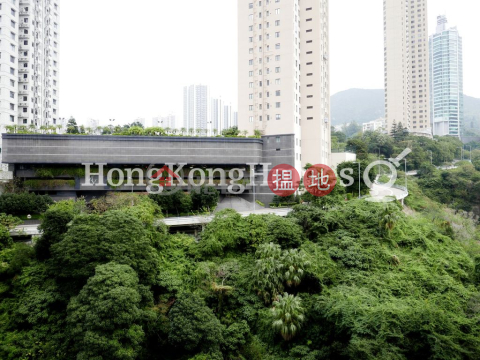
column 277, row 93
column 250, row 73
column 251, row 119
column 13, row 23
column 250, row 51
column 277, row 46
column 277, row 81
column 277, row 58
column 250, row 62
column 12, row 35
column 250, row 6
column 277, row 69
column 250, row 96
column 12, row 47
column 277, row 105
column 277, row 139
column 250, row 39
column 250, row 85
column 250, row 28
column 277, row 22
column 25, row 110
column 250, row 107
column 12, row 118
column 12, row 11
column 277, row 11
column 277, row 34
column 278, row 117
column 12, row 106
column 12, row 59
column 12, row 82
column 12, row 71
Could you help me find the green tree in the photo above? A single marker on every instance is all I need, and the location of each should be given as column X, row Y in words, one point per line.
column 193, row 326
column 288, row 315
column 72, row 127
column 92, row 240
column 294, row 264
column 205, row 197
column 231, row 132
column 268, row 275
column 107, row 317
column 54, row 226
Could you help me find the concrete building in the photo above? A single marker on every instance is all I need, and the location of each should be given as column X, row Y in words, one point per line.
column 284, row 73
column 235, row 118
column 29, row 62
column 406, row 57
column 227, row 116
column 27, row 153
column 446, row 80
column 168, row 121
column 374, row 125
column 196, row 107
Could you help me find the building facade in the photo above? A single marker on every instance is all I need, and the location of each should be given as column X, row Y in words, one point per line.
column 196, row 107
column 446, row 80
column 406, row 60
column 376, row 125
column 284, row 73
column 168, row 121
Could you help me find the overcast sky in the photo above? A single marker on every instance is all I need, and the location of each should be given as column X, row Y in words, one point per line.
column 123, row 59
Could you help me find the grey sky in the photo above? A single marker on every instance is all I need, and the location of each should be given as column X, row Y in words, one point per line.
column 123, row 59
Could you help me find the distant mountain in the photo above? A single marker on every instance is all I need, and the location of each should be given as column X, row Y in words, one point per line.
column 359, row 105
column 472, row 113
column 364, row 105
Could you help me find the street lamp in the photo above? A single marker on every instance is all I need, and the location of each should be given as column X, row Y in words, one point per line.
column 359, row 180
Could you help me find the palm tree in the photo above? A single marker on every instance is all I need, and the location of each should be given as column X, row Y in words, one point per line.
column 183, row 131
column 167, row 130
column 288, row 315
column 257, row 133
column 32, row 128
column 59, row 128
column 174, row 131
column 295, row 262
column 215, row 132
column 191, row 131
column 268, row 275
column 99, row 130
column 245, row 133
column 388, row 220
column 198, row 131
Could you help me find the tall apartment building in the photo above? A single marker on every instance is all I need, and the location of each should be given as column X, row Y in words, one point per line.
column 406, row 52
column 446, row 80
column 196, row 107
column 217, row 115
column 29, row 45
column 284, row 73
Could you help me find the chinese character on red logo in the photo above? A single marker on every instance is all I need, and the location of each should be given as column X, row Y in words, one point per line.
column 283, row 180
column 320, row 180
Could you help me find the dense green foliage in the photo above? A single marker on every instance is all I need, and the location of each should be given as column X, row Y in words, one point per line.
column 177, row 202
column 24, row 203
column 333, row 280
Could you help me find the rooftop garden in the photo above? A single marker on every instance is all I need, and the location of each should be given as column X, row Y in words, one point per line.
column 133, row 129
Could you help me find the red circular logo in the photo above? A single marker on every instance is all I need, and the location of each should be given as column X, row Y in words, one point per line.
column 283, row 180
column 320, row 180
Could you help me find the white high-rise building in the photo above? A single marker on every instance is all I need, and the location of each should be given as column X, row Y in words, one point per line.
column 446, row 80
column 284, row 73
column 217, row 115
column 196, row 107
column 406, row 56
column 164, row 121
